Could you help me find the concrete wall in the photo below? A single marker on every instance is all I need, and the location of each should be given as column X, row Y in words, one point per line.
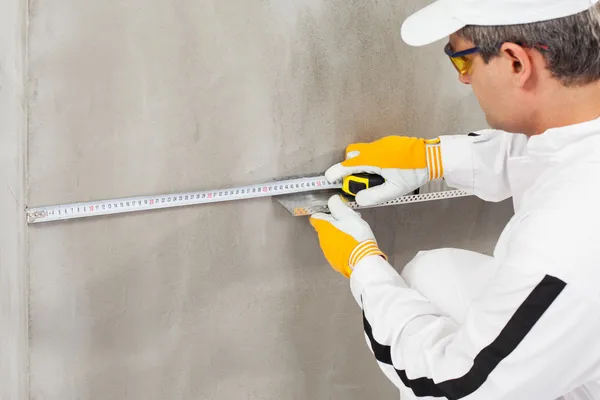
column 227, row 301
column 13, row 267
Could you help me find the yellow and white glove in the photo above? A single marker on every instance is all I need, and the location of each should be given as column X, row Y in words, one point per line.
column 344, row 236
column 406, row 164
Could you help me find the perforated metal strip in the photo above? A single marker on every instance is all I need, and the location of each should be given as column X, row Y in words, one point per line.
column 417, row 198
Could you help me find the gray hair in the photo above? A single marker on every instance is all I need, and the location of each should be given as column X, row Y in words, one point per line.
column 570, row 45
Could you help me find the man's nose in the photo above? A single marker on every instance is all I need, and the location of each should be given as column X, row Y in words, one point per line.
column 464, row 78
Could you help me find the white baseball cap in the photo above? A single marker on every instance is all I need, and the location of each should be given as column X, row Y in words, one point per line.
column 445, row 17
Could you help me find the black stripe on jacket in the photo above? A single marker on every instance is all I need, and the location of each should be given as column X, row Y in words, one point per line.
column 522, row 321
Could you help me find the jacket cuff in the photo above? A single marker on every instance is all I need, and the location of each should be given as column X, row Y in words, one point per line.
column 457, row 159
column 373, row 271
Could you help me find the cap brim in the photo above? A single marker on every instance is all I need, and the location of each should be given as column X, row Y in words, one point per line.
column 431, row 23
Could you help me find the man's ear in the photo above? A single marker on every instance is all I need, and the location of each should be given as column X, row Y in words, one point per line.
column 520, row 62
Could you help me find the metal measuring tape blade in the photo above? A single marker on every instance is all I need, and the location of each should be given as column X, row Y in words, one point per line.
column 144, row 203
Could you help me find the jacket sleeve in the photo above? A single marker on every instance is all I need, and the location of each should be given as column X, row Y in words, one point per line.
column 476, row 163
column 530, row 335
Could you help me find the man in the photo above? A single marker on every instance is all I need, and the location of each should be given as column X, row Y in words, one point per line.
column 525, row 323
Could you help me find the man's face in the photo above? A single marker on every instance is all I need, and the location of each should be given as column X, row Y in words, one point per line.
column 494, row 86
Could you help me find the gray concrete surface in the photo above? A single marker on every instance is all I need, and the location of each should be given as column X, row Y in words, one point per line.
column 227, row 301
column 13, row 266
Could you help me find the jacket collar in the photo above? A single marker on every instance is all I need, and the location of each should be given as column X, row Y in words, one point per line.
column 556, row 139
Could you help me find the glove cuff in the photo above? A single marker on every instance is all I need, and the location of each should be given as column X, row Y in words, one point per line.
column 433, row 149
column 364, row 249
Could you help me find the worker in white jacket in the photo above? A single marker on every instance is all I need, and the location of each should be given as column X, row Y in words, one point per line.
column 525, row 323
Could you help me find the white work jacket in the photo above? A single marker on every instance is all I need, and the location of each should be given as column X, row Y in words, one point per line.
column 534, row 332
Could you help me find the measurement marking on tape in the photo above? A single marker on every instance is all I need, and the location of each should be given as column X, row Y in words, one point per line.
column 144, row 203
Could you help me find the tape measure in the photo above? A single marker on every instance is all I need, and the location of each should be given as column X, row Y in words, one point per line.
column 351, row 185
column 144, row 203
column 355, row 183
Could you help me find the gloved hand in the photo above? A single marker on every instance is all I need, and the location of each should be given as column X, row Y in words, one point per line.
column 344, row 236
column 405, row 163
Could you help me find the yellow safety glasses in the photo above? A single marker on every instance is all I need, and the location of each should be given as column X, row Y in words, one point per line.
column 460, row 62
column 463, row 64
